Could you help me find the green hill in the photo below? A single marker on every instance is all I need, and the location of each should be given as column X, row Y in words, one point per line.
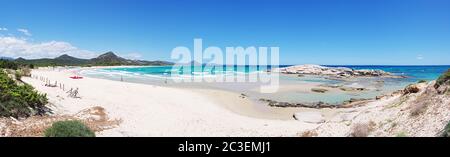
column 109, row 58
column 106, row 59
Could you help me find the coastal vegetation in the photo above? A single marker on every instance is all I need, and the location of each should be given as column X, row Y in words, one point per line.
column 422, row 81
column 418, row 102
column 19, row 100
column 444, row 79
column 14, row 65
column 69, row 128
column 6, row 64
column 24, row 71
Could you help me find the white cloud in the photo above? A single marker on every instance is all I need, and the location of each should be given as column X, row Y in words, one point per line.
column 3, row 29
column 24, row 31
column 419, row 57
column 20, row 47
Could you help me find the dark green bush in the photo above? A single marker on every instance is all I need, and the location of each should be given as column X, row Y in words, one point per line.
column 443, row 79
column 14, row 65
column 8, row 64
column 31, row 66
column 422, row 81
column 69, row 129
column 19, row 100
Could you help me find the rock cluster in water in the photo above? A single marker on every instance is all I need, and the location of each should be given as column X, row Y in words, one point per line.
column 349, row 103
column 309, row 69
column 273, row 103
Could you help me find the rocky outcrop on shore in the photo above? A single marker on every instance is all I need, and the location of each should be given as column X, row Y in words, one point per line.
column 318, row 105
column 309, row 69
column 274, row 103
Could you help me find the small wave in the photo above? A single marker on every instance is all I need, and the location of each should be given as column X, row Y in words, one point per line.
column 161, row 74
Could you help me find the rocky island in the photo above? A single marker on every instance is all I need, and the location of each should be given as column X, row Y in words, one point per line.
column 335, row 72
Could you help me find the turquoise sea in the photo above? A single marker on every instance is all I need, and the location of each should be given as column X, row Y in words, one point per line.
column 160, row 75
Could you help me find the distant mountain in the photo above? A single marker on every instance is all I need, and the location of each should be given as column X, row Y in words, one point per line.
column 161, row 63
column 20, row 59
column 58, row 61
column 109, row 58
column 66, row 59
column 156, row 63
column 106, row 59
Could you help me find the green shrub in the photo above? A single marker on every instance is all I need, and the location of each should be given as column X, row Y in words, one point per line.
column 31, row 66
column 14, row 65
column 69, row 129
column 8, row 64
column 18, row 75
column 19, row 100
column 443, row 79
column 446, row 131
column 423, row 81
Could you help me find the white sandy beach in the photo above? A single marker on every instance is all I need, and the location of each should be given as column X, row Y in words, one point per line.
column 148, row 110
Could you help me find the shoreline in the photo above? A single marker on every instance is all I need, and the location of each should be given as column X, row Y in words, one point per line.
column 152, row 110
column 291, row 88
column 244, row 106
column 149, row 110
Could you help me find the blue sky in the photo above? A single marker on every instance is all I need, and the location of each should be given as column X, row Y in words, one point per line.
column 388, row 32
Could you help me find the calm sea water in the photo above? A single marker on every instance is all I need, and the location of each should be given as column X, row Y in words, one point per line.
column 414, row 73
column 157, row 75
column 193, row 70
